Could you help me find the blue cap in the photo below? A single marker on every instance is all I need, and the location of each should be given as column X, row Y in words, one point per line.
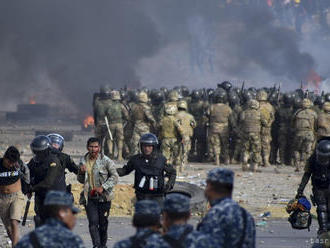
column 176, row 203
column 221, row 175
column 60, row 198
column 147, row 207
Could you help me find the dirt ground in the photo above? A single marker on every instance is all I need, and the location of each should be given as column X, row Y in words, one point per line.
column 268, row 191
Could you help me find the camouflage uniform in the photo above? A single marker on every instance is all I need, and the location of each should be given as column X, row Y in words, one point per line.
column 304, row 123
column 100, row 108
column 116, row 114
column 267, row 115
column 224, row 223
column 323, row 122
column 188, row 123
column 285, row 133
column 54, row 233
column 250, row 120
column 183, row 234
column 219, row 130
column 170, row 133
column 143, row 120
column 148, row 209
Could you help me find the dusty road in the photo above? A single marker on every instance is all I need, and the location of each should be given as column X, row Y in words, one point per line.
column 267, row 191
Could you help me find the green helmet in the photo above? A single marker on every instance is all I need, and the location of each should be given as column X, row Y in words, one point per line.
column 143, row 97
column 171, row 109
column 115, row 95
column 306, row 103
column 105, row 89
column 173, row 96
column 183, row 105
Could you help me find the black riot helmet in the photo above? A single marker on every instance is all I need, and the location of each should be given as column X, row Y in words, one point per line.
column 226, row 85
column 323, row 152
column 319, row 101
column 184, row 91
column 234, row 99
column 40, row 143
column 327, row 97
column 56, row 140
column 196, row 95
column 157, row 97
column 149, row 139
column 287, row 99
column 220, row 96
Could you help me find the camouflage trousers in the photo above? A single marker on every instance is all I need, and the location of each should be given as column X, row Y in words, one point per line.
column 184, row 149
column 251, row 148
column 303, row 147
column 101, row 133
column 139, row 130
column 117, row 132
column 266, row 139
column 220, row 144
column 170, row 149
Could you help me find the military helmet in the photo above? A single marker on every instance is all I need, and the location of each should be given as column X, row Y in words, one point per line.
column 184, row 91
column 306, row 103
column 40, row 143
column 156, row 96
column 105, row 89
column 297, row 102
column 319, row 101
column 287, row 98
column 196, row 95
column 226, row 85
column 234, row 99
column 115, row 95
column 173, row 96
column 182, row 105
column 253, row 104
column 323, row 152
column 56, row 138
column 171, row 109
column 220, row 96
column 327, row 97
column 262, row 95
column 326, row 107
column 143, row 97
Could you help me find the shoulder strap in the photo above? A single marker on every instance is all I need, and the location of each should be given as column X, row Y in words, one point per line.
column 140, row 242
column 34, row 240
column 244, row 215
column 176, row 243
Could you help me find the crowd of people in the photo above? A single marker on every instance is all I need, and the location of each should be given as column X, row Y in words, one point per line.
column 226, row 125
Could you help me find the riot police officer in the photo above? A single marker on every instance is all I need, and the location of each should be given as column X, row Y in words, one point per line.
column 151, row 168
column 318, row 169
column 45, row 174
column 57, row 143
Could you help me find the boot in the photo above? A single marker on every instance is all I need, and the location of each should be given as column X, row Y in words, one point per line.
column 266, row 160
column 245, row 167
column 322, row 218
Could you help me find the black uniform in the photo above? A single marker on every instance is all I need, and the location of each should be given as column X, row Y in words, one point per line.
column 150, row 173
column 320, row 176
column 45, row 175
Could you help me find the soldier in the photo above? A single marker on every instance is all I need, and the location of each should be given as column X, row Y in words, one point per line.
column 226, row 224
column 219, row 113
column 45, row 173
column 178, row 233
column 99, row 108
column 317, row 168
column 116, row 113
column 57, row 230
column 198, row 108
column 99, row 176
column 234, row 125
column 267, row 115
column 250, row 120
column 285, row 113
column 146, row 220
column 151, row 168
column 304, row 124
column 157, row 100
column 323, row 122
column 187, row 123
column 173, row 98
column 170, row 133
column 143, row 121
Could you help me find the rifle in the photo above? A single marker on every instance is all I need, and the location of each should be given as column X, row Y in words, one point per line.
column 278, row 93
column 242, row 88
column 26, row 211
column 107, row 124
